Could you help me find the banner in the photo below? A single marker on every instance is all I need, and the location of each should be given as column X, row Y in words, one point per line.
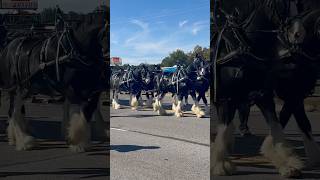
column 116, row 61
column 19, row 4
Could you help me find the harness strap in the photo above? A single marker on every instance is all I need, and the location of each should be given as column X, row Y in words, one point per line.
column 57, row 57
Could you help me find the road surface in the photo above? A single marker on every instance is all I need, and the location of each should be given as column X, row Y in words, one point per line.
column 52, row 158
column 146, row 146
column 251, row 165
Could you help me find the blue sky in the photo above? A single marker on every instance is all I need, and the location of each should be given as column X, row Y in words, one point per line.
column 146, row 31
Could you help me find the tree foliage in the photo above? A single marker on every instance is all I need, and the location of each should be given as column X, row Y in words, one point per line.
column 179, row 56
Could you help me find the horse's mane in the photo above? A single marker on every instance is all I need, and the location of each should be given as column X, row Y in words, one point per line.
column 95, row 19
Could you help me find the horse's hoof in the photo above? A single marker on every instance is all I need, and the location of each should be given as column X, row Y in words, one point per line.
column 200, row 116
column 289, row 172
column 193, row 108
column 225, row 168
column 78, row 148
column 117, row 106
column 179, row 114
column 11, row 142
column 27, row 143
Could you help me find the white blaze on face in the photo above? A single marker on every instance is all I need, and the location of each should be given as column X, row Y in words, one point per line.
column 297, row 32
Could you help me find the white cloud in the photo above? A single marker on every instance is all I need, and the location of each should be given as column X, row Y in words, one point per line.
column 146, row 45
column 182, row 23
column 198, row 26
column 145, row 30
column 143, row 25
column 113, row 39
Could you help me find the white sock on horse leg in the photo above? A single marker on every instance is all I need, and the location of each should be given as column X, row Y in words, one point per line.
column 221, row 164
column 79, row 132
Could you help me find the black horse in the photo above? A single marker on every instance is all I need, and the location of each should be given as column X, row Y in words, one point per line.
column 136, row 79
column 295, row 75
column 199, row 76
column 149, row 85
column 118, row 84
column 298, row 70
column 69, row 63
column 245, row 56
column 184, row 82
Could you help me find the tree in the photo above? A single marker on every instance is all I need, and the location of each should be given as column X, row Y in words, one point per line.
column 178, row 56
column 202, row 51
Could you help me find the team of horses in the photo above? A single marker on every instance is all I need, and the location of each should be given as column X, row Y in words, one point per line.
column 265, row 49
column 68, row 62
column 193, row 80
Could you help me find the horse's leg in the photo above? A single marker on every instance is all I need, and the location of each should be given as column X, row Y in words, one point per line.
column 223, row 144
column 149, row 100
column 174, row 102
column 18, row 127
column 202, row 96
column 140, row 100
column 244, row 111
column 66, row 117
column 134, row 101
column 100, row 125
column 178, row 108
column 10, row 130
column 113, row 98
column 186, row 100
column 157, row 105
column 196, row 107
column 116, row 100
column 79, row 134
column 274, row 146
column 311, row 147
column 285, row 113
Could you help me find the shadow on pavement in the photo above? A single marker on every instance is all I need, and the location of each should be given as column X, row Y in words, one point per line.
column 86, row 172
column 130, row 148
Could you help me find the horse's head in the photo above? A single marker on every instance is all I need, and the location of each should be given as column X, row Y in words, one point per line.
column 290, row 17
column 203, row 71
column 143, row 73
column 91, row 36
column 294, row 30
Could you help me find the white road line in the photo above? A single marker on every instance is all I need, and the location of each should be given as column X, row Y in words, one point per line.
column 117, row 129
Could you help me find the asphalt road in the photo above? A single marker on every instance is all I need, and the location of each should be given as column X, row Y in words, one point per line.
column 146, row 146
column 251, row 165
column 52, row 158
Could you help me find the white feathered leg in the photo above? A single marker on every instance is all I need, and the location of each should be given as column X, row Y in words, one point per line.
column 221, row 164
column 79, row 132
column 197, row 110
column 116, row 104
column 178, row 109
column 17, row 129
column 134, row 103
column 280, row 153
column 155, row 105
